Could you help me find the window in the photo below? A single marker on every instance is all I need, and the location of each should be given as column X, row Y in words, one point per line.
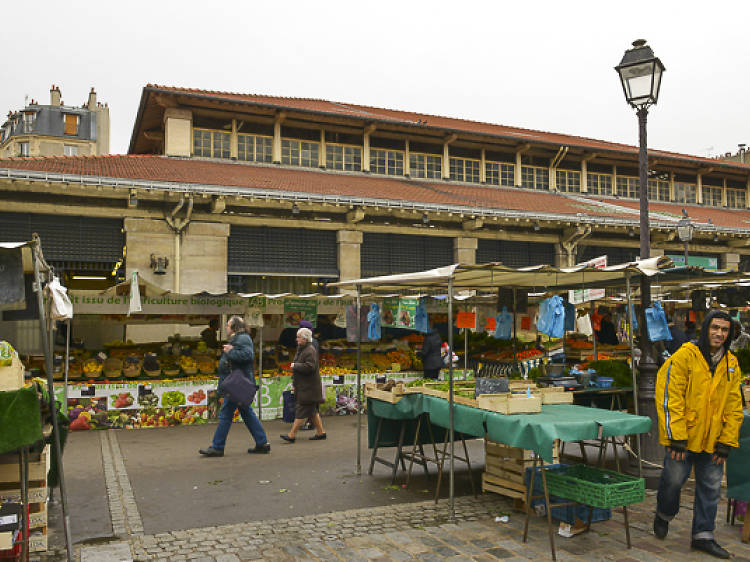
column 685, row 193
column 342, row 157
column 500, row 174
column 23, row 149
column 425, row 166
column 736, row 198
column 600, row 184
column 253, row 148
column 464, row 169
column 71, row 124
column 389, row 162
column 211, row 144
column 70, row 150
column 628, row 187
column 534, row 178
column 28, row 121
column 568, row 181
column 658, row 190
column 712, row 196
column 299, row 153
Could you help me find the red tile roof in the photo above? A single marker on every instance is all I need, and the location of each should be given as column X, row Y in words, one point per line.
column 375, row 114
column 385, row 188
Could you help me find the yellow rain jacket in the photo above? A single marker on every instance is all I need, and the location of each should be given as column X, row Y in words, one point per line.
column 694, row 406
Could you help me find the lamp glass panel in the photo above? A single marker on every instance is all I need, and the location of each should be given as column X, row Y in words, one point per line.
column 637, row 80
column 657, row 82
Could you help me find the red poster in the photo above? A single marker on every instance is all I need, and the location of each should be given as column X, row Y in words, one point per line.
column 491, row 323
column 526, row 322
column 466, row 320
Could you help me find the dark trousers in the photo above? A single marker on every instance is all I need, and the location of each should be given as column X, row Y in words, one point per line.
column 431, row 373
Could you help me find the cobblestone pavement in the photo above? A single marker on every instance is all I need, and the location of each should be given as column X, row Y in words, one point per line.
column 421, row 531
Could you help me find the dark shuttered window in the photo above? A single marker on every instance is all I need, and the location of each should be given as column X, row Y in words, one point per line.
column 386, row 254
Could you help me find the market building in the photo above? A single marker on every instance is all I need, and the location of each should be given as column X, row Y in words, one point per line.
column 56, row 129
column 223, row 191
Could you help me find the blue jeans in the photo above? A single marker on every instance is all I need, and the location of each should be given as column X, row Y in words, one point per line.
column 225, row 422
column 707, row 490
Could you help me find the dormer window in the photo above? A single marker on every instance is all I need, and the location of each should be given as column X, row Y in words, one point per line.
column 71, row 123
column 28, row 121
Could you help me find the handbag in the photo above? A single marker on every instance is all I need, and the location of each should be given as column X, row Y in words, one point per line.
column 238, row 388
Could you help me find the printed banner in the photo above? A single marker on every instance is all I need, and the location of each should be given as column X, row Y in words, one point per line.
column 389, row 312
column 300, row 309
column 407, row 313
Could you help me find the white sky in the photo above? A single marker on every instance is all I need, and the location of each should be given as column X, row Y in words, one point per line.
column 536, row 64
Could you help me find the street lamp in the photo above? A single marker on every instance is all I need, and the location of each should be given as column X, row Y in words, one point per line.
column 640, row 73
column 685, row 230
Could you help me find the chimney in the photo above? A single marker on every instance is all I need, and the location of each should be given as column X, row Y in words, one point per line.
column 54, row 95
column 92, row 100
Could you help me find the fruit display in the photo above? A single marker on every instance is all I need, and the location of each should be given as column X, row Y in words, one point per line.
column 75, row 368
column 92, row 367
column 112, row 367
column 148, row 400
column 132, row 366
column 205, row 363
column 188, row 365
column 151, row 365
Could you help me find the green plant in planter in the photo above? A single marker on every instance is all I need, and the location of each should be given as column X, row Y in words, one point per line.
column 618, row 370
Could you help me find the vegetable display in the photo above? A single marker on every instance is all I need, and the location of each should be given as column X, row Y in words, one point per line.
column 172, row 398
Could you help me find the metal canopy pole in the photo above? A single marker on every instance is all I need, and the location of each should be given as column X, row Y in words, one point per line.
column 452, row 512
column 67, row 361
column 38, row 288
column 260, row 371
column 632, row 369
column 359, row 383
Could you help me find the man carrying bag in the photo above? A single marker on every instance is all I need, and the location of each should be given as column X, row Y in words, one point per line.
column 237, row 385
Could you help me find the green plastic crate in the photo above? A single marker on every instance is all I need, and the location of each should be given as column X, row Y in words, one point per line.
column 595, row 486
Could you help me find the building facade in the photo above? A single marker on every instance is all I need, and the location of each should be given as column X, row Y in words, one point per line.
column 258, row 193
column 56, row 129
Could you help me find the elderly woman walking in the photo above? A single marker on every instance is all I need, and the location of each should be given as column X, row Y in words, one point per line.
column 308, row 391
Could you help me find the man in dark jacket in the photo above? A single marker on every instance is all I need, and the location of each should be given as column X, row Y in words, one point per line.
column 238, row 354
column 432, row 362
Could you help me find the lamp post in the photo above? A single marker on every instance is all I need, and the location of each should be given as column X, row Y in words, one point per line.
column 685, row 230
column 640, row 73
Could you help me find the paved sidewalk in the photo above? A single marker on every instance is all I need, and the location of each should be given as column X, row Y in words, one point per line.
column 421, row 531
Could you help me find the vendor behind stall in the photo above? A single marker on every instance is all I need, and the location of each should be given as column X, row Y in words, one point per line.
column 209, row 334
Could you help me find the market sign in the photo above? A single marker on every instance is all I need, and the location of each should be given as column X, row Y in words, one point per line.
column 407, row 313
column 578, row 296
column 466, row 320
column 296, row 310
column 389, row 312
column 94, row 302
column 709, row 264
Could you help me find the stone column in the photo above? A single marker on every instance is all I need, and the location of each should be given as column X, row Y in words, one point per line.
column 178, row 132
column 202, row 260
column 349, row 258
column 465, row 250
column 729, row 261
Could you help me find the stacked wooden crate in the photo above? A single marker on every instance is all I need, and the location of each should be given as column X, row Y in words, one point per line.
column 505, row 468
column 10, row 490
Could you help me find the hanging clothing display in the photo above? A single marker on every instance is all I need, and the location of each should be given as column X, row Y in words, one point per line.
column 421, row 321
column 570, row 317
column 552, row 317
column 373, row 319
column 504, row 325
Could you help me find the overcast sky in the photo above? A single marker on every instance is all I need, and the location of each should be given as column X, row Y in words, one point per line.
column 537, row 64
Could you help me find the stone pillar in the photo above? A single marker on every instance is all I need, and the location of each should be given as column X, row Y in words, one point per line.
column 729, row 261
column 465, row 250
column 349, row 246
column 178, row 132
column 561, row 259
column 202, row 260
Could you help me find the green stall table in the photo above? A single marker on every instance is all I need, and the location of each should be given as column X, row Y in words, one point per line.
column 738, row 475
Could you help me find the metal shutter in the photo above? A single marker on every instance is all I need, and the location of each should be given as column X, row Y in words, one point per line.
column 299, row 251
column 615, row 256
column 386, row 254
column 68, row 239
column 515, row 254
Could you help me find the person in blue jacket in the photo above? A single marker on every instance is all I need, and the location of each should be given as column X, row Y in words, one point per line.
column 238, row 354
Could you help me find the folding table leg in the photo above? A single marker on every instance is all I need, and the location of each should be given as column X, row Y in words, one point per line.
column 375, row 446
column 399, row 457
column 627, row 524
column 468, row 465
column 549, row 509
column 529, row 490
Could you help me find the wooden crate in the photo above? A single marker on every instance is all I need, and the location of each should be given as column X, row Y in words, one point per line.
column 500, row 450
column 37, row 492
column 37, row 515
column 746, row 390
column 502, row 487
column 522, row 385
column 38, row 467
column 371, row 391
column 38, row 540
column 11, row 377
column 555, row 395
column 510, row 404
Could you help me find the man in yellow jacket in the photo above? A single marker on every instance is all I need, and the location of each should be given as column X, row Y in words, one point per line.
column 699, row 406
